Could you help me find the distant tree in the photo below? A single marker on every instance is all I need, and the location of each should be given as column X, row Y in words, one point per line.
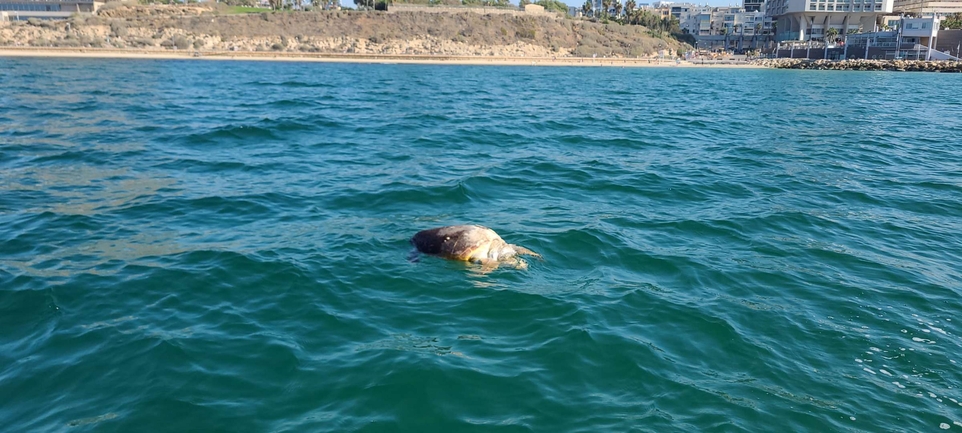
column 953, row 21
column 605, row 9
column 672, row 25
column 587, row 7
column 522, row 3
column 630, row 7
column 553, row 5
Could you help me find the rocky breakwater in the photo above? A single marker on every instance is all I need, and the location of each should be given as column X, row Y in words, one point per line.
column 863, row 65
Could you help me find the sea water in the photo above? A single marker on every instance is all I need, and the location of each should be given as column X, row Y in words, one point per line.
column 223, row 246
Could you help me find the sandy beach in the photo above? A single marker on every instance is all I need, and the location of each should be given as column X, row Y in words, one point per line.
column 364, row 58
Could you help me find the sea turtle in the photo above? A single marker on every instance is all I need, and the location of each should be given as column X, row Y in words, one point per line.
column 471, row 243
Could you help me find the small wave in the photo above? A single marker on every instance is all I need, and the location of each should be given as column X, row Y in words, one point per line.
column 291, row 84
column 281, row 104
column 399, row 196
column 92, row 420
column 232, row 133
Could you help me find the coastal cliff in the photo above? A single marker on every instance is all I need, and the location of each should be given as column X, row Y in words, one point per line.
column 205, row 28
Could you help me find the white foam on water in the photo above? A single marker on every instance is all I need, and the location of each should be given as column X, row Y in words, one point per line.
column 858, row 360
column 957, row 423
column 883, row 371
column 932, row 395
column 875, row 349
column 898, row 385
column 926, row 330
column 944, row 426
column 939, row 330
column 851, row 418
column 869, row 370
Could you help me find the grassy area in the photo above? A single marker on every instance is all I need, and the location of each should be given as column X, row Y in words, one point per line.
column 244, row 10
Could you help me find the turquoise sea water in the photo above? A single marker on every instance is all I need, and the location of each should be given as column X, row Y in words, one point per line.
column 223, row 247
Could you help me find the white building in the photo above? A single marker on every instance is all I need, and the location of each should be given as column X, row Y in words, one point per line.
column 803, row 20
column 928, row 7
column 716, row 21
column 907, row 38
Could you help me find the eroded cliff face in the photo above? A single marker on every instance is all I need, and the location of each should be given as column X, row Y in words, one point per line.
column 454, row 34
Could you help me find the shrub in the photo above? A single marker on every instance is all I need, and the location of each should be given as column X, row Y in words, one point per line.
column 526, row 33
column 118, row 29
column 180, row 42
column 67, row 43
column 77, row 20
column 141, row 42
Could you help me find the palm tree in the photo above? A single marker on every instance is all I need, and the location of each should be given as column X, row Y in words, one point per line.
column 586, row 8
column 831, row 34
column 618, row 8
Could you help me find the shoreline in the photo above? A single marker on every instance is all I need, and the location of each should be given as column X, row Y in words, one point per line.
column 100, row 53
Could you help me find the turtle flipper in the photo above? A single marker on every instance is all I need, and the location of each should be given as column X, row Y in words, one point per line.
column 524, row 251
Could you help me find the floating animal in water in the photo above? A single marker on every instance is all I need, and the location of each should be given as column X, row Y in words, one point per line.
column 471, row 243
